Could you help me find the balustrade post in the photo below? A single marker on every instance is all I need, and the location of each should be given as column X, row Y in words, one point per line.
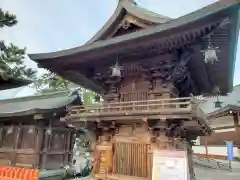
column 162, row 104
column 193, row 105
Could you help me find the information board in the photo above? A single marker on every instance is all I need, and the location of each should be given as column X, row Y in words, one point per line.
column 230, row 150
column 170, row 165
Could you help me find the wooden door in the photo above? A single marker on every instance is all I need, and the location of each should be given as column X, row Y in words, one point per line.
column 131, row 159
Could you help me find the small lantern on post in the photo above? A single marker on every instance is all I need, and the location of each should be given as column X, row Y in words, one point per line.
column 218, row 103
column 210, row 53
column 116, row 70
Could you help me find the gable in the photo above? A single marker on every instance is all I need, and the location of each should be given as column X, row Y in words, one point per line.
column 128, row 25
column 128, row 18
column 126, row 29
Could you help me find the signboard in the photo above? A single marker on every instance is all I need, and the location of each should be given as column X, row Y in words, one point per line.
column 230, row 150
column 238, row 153
column 169, row 165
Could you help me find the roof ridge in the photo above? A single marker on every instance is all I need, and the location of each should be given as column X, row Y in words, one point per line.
column 151, row 13
column 131, row 1
column 41, row 96
column 238, row 85
column 127, row 3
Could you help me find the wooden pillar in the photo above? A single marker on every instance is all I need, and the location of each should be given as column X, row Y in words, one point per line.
column 237, row 128
column 206, row 145
column 45, row 149
column 1, row 136
column 16, row 143
column 39, row 139
column 103, row 155
column 236, row 121
column 17, row 138
column 190, row 160
column 67, row 146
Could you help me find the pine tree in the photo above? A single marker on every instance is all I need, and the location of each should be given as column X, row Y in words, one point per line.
column 7, row 19
column 11, row 56
column 49, row 83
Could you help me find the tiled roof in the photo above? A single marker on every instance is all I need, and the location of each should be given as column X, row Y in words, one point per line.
column 232, row 100
column 36, row 104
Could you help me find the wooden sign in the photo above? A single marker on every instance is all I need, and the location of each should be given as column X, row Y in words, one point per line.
column 38, row 116
column 169, row 165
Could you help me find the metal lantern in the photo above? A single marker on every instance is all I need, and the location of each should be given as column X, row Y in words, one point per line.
column 218, row 103
column 10, row 130
column 116, row 70
column 210, row 53
column 49, row 131
column 31, row 130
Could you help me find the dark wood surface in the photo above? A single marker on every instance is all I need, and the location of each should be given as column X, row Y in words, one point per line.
column 30, row 146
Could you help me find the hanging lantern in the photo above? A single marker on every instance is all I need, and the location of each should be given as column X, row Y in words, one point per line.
column 210, row 53
column 116, row 70
column 31, row 130
column 49, row 131
column 10, row 130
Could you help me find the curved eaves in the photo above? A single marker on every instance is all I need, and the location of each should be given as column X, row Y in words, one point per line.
column 117, row 13
column 126, row 6
column 182, row 21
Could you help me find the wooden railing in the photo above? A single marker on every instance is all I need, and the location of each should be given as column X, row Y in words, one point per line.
column 176, row 105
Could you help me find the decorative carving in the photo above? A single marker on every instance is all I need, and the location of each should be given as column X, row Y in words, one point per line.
column 162, row 78
column 125, row 24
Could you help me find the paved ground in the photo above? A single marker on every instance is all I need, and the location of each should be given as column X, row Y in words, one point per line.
column 210, row 174
column 205, row 174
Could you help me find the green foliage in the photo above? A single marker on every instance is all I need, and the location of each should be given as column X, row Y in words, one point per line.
column 12, row 57
column 91, row 98
column 7, row 19
column 12, row 61
column 49, row 82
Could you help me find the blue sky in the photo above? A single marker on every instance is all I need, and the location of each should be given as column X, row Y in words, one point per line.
column 51, row 25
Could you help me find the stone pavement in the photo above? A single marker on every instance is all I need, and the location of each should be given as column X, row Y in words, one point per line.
column 204, row 174
column 211, row 174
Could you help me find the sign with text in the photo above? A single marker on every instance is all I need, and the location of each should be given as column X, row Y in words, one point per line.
column 230, row 150
column 169, row 165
